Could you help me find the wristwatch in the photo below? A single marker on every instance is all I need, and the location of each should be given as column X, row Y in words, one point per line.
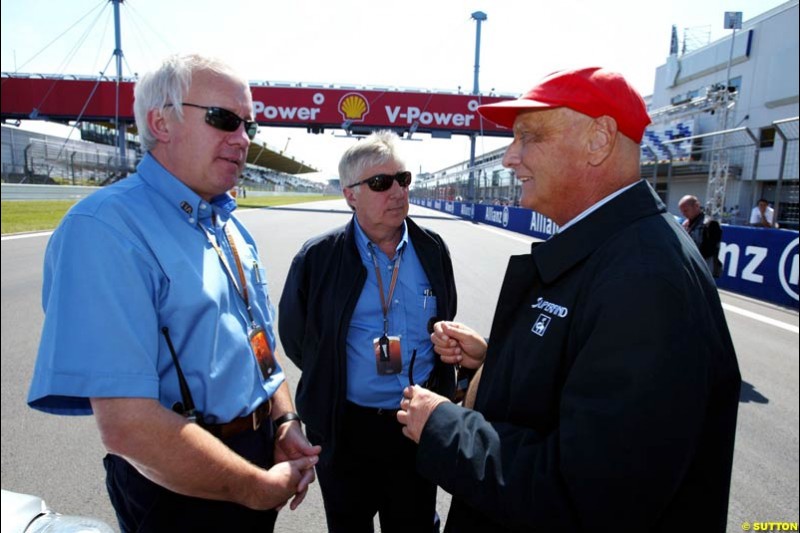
column 286, row 417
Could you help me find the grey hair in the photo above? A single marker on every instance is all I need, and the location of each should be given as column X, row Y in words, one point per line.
column 168, row 84
column 376, row 149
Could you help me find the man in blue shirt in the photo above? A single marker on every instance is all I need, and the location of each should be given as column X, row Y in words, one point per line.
column 354, row 317
column 157, row 316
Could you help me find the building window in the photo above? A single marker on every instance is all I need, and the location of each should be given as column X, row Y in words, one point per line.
column 766, row 137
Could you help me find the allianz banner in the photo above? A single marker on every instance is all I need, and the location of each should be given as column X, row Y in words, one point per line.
column 516, row 219
column 761, row 263
column 757, row 262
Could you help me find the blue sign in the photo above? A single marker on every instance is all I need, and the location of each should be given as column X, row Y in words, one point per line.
column 757, row 262
column 760, row 262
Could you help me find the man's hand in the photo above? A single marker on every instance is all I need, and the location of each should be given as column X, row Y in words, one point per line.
column 284, row 480
column 290, row 444
column 458, row 344
column 415, row 408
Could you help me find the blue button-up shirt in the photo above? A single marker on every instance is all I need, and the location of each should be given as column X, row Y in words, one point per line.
column 411, row 307
column 130, row 260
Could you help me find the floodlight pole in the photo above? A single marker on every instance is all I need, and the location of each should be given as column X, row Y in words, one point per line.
column 121, row 129
column 478, row 16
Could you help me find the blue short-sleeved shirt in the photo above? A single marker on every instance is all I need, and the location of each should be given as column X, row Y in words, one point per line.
column 412, row 305
column 130, row 260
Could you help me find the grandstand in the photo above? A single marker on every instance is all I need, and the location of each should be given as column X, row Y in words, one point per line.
column 30, row 157
column 266, row 179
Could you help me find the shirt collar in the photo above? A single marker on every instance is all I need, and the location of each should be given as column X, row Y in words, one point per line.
column 363, row 242
column 595, row 207
column 190, row 205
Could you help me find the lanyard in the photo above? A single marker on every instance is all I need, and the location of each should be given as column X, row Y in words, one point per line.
column 243, row 291
column 392, row 285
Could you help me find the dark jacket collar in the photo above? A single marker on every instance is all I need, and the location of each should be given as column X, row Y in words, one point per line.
column 564, row 250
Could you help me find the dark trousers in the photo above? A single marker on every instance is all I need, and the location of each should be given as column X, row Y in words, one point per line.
column 374, row 471
column 144, row 506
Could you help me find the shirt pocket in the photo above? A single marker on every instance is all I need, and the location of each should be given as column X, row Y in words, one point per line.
column 426, row 302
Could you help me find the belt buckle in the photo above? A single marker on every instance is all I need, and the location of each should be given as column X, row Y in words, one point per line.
column 257, row 413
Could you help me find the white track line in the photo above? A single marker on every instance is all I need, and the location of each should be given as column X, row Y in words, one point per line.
column 26, row 235
column 761, row 318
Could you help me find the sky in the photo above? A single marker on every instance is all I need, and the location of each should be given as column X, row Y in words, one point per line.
column 405, row 44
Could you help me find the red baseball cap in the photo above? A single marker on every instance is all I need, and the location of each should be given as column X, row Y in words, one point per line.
column 593, row 91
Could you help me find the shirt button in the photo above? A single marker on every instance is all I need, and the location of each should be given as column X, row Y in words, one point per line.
column 191, row 220
column 203, row 206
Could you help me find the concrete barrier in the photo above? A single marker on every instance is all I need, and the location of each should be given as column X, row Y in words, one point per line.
column 22, row 191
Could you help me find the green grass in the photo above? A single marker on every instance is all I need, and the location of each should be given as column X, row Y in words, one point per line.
column 33, row 215
column 269, row 201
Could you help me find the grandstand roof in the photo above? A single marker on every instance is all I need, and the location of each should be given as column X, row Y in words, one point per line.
column 262, row 155
column 259, row 154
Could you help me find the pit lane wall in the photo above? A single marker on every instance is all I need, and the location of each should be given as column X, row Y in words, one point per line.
column 757, row 262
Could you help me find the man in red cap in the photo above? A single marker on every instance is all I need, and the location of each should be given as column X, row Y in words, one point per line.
column 610, row 387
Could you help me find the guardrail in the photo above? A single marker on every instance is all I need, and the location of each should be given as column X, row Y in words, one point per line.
column 22, row 191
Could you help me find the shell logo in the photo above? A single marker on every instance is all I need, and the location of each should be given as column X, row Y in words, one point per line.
column 353, row 106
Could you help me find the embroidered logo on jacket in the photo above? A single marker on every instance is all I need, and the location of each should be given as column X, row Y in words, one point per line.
column 540, row 326
column 550, row 307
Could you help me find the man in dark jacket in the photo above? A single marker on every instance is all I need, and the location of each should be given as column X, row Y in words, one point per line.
column 354, row 317
column 704, row 231
column 608, row 397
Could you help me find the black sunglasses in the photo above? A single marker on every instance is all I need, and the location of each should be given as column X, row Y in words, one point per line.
column 225, row 120
column 383, row 182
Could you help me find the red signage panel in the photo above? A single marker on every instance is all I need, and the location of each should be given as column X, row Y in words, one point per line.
column 369, row 108
column 64, row 99
column 346, row 108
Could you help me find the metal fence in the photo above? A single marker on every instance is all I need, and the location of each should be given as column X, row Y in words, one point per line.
column 787, row 188
column 32, row 158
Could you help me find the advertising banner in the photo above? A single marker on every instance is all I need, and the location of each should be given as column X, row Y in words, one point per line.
column 757, row 262
column 273, row 105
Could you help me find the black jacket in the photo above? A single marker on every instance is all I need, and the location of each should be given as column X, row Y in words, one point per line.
column 321, row 292
column 707, row 234
column 609, row 393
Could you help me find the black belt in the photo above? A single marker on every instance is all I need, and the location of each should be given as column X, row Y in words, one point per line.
column 376, row 411
column 249, row 422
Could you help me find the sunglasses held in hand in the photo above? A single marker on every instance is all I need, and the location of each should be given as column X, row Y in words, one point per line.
column 383, row 182
column 225, row 120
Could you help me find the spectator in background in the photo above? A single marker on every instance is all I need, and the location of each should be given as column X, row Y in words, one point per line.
column 354, row 317
column 610, row 387
column 704, row 231
column 158, row 322
column 735, row 214
column 762, row 215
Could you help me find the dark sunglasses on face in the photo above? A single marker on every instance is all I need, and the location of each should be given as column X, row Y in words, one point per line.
column 225, row 120
column 383, row 182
